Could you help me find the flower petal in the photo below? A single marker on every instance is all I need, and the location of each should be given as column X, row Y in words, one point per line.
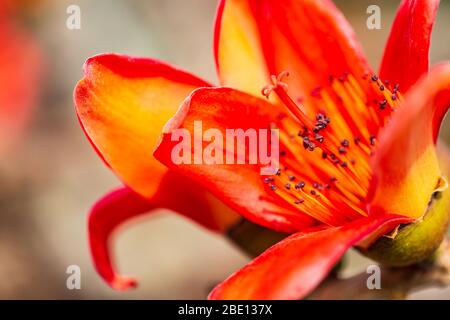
column 311, row 39
column 20, row 68
column 239, row 58
column 122, row 103
column 124, row 204
column 292, row 268
column 239, row 185
column 406, row 54
column 405, row 166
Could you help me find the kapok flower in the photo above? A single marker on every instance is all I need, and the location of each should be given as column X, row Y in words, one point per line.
column 358, row 154
column 20, row 66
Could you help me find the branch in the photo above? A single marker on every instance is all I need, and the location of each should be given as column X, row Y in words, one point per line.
column 396, row 283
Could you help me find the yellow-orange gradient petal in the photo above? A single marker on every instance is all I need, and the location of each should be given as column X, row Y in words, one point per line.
column 239, row 58
column 405, row 166
column 123, row 103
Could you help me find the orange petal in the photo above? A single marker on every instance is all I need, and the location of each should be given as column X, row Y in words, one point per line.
column 405, row 166
column 406, row 54
column 292, row 268
column 239, row 57
column 175, row 193
column 238, row 185
column 122, row 103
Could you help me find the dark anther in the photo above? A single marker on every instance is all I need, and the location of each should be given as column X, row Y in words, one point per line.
column 342, row 150
column 291, row 178
column 273, row 187
column 374, row 78
column 307, row 144
column 278, row 172
column 381, row 88
column 306, row 140
column 318, row 138
column 324, row 155
column 313, row 192
column 315, row 185
column 300, row 185
column 372, row 140
column 268, row 180
column 345, row 143
column 333, row 179
column 303, row 132
column 298, row 201
column 287, row 186
column 333, row 158
column 394, row 97
column 344, row 164
column 383, row 104
column 357, row 140
column 282, row 153
column 327, row 186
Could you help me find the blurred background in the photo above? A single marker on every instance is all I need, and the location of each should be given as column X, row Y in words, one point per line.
column 50, row 176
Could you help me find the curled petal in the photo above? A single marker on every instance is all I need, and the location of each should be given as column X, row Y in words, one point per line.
column 238, row 185
column 405, row 166
column 121, row 205
column 292, row 268
column 122, row 103
column 406, row 55
column 113, row 209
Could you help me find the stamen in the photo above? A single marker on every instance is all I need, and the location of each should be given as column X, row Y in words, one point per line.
column 326, row 149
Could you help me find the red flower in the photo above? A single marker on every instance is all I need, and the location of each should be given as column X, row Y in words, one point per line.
column 20, row 64
column 332, row 113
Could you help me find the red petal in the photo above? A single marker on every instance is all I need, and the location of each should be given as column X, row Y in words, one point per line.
column 20, row 69
column 104, row 217
column 311, row 39
column 238, row 185
column 405, row 166
column 239, row 58
column 292, row 268
column 122, row 103
column 406, row 54
column 175, row 193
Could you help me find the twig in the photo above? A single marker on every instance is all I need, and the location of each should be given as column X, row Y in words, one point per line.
column 396, row 283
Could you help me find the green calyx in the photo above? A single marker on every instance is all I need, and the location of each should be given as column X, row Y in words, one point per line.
column 417, row 242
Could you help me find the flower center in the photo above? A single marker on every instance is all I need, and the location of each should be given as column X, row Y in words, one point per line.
column 326, row 141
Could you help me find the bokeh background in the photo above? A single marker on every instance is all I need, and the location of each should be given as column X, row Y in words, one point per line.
column 51, row 178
